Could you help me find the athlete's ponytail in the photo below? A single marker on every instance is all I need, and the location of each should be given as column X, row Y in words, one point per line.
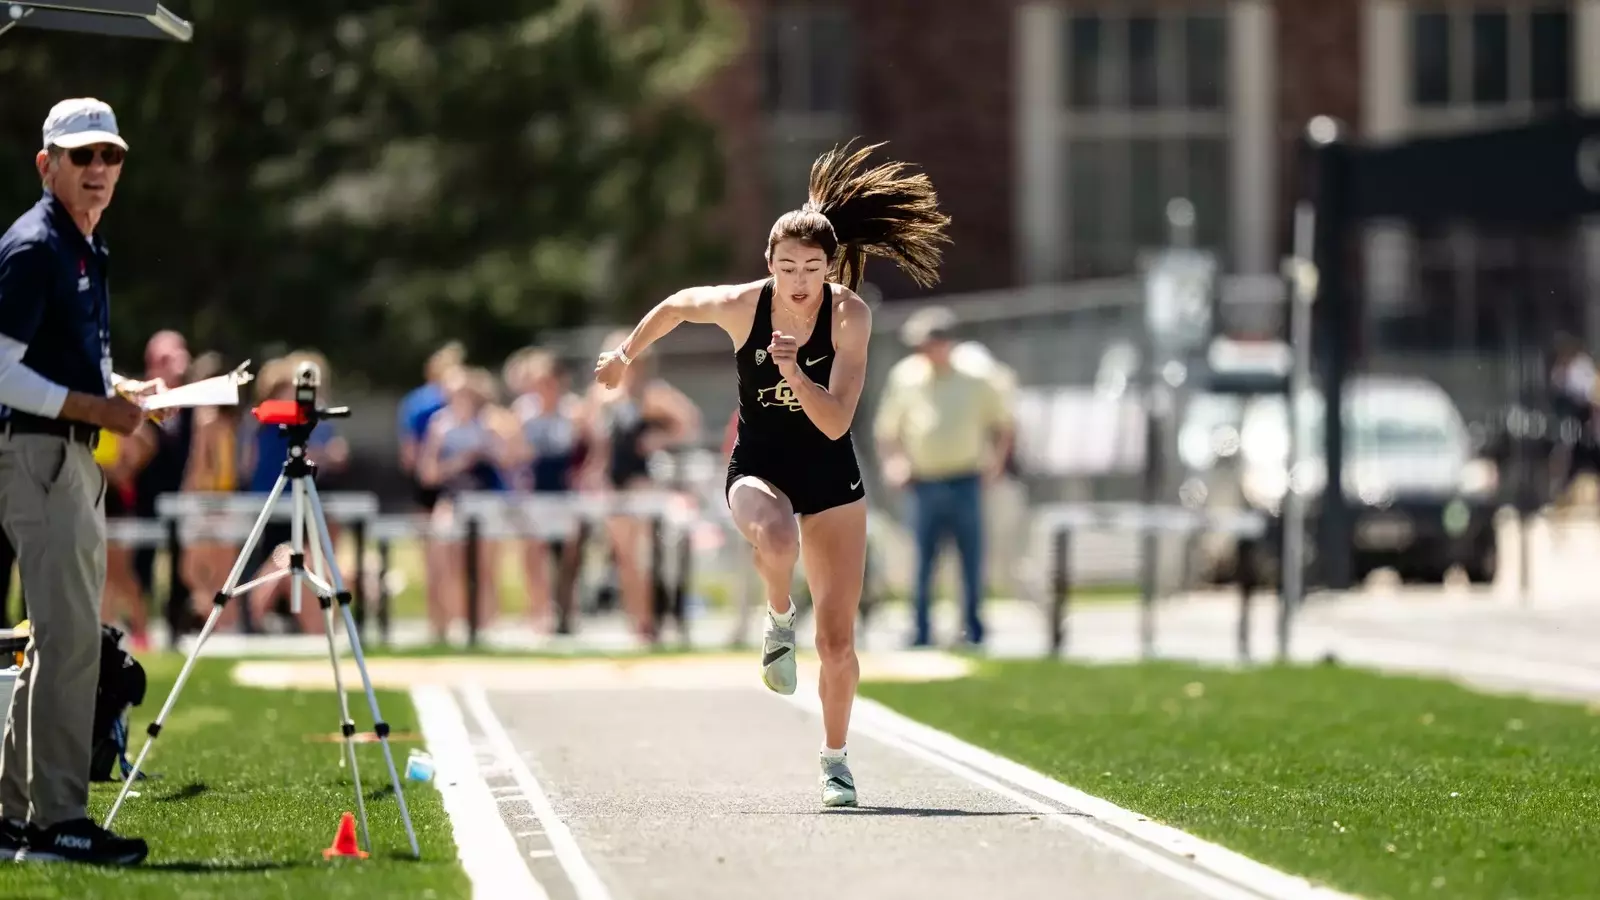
column 884, row 211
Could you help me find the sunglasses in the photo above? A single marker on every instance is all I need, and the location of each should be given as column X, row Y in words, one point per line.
column 83, row 157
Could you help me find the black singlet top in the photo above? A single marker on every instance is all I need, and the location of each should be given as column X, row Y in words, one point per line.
column 627, row 425
column 769, row 414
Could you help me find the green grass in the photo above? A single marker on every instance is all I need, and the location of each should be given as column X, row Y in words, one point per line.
column 249, row 794
column 1383, row 786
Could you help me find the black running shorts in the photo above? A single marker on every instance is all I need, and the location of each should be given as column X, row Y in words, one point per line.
column 814, row 481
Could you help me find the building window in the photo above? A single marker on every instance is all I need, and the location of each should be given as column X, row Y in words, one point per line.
column 807, row 92
column 1144, row 118
column 1460, row 286
column 1475, row 66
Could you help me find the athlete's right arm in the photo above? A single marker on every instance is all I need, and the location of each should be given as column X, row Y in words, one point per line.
column 433, row 471
column 707, row 305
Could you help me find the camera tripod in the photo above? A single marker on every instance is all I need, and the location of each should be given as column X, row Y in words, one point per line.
column 298, row 418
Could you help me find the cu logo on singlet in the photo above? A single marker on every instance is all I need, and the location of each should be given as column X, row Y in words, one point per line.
column 779, row 394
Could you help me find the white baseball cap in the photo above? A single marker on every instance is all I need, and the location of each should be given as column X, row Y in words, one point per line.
column 80, row 122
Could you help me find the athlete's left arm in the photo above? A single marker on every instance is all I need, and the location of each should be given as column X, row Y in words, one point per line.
column 831, row 409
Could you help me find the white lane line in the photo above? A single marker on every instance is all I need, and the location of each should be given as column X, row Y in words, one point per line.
column 585, row 880
column 1209, row 868
column 484, row 844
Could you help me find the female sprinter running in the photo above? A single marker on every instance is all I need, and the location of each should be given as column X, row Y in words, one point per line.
column 801, row 354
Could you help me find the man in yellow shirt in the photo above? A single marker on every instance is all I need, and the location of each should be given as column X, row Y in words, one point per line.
column 943, row 428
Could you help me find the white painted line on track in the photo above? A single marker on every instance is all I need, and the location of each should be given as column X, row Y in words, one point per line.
column 1213, row 870
column 488, row 852
column 585, row 880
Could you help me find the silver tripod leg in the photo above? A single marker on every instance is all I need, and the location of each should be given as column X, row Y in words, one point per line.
column 379, row 726
column 230, row 589
column 325, row 596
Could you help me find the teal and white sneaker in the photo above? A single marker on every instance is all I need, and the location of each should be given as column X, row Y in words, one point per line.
column 838, row 785
column 777, row 655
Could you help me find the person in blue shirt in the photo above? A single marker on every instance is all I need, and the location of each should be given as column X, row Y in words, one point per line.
column 418, row 408
column 468, row 448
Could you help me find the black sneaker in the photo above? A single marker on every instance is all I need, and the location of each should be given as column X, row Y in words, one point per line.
column 13, row 838
column 81, row 840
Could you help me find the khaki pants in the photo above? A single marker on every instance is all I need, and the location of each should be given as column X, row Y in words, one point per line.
column 52, row 504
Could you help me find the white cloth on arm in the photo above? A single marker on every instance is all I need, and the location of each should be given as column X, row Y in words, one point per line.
column 23, row 388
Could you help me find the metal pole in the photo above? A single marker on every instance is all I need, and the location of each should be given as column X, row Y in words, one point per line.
column 1060, row 589
column 1336, row 338
column 383, row 591
column 176, row 618
column 1302, row 275
column 360, row 529
column 474, row 539
column 1245, row 548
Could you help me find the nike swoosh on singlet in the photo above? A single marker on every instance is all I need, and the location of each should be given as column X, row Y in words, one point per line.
column 812, row 362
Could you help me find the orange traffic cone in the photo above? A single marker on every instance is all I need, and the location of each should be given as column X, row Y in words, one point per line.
column 344, row 843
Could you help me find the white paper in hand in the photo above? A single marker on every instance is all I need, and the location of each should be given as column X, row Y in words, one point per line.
column 222, row 390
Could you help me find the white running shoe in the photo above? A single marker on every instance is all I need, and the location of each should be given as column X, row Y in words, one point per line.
column 777, row 656
column 838, row 785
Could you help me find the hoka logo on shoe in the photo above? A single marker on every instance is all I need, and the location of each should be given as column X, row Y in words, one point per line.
column 73, row 842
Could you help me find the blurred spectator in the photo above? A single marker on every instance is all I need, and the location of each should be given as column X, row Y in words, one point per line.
column 545, row 454
column 418, row 407
column 942, row 430
column 1573, row 388
column 213, row 468
column 166, row 356
column 416, row 410
column 123, row 599
column 642, row 416
column 1005, row 500
column 466, row 449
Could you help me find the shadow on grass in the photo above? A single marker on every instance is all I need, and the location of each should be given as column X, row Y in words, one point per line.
column 222, row 866
column 187, row 792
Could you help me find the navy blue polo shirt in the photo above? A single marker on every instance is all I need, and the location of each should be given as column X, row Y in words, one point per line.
column 54, row 297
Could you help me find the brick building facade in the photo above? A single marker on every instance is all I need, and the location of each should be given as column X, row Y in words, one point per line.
column 1055, row 131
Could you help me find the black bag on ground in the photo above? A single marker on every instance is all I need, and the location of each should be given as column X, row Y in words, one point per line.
column 122, row 686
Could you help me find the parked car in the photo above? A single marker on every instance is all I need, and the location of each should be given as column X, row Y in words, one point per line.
column 1422, row 500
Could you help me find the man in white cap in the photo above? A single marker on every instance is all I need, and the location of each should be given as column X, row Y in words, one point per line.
column 57, row 391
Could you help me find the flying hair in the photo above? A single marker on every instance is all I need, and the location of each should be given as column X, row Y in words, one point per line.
column 885, row 211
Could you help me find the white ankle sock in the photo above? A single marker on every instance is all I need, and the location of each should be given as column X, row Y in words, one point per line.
column 829, row 751
column 785, row 618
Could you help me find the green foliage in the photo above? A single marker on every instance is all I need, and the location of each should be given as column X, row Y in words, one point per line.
column 374, row 178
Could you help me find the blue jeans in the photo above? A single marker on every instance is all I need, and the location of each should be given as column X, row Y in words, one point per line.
column 952, row 508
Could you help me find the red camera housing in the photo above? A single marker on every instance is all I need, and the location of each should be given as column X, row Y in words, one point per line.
column 280, row 412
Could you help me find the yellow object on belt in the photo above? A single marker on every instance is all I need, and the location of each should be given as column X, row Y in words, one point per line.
column 105, row 453
column 22, row 629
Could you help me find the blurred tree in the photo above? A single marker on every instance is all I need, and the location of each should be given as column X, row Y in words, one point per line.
column 375, row 178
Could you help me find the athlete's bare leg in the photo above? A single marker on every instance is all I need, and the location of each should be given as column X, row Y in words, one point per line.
column 834, row 542
column 766, row 519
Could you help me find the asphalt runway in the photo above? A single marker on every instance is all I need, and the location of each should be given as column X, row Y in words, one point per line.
column 691, row 793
